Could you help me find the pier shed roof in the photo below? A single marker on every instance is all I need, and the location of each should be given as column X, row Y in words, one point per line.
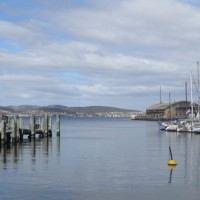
column 158, row 106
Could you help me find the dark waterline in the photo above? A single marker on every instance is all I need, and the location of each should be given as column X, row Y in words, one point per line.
column 106, row 159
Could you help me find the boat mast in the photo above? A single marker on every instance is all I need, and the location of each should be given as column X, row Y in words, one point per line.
column 198, row 86
column 191, row 96
column 160, row 96
column 186, row 102
column 170, row 106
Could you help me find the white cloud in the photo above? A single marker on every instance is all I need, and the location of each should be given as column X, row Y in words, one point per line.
column 122, row 51
column 139, row 22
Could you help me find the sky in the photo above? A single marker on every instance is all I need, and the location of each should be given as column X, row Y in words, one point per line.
column 97, row 52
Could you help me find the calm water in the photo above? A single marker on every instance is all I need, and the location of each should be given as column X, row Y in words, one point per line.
column 102, row 159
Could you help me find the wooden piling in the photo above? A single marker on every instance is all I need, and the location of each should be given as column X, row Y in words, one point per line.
column 8, row 138
column 46, row 124
column 3, row 127
column 14, row 128
column 50, row 127
column 21, row 135
column 21, row 124
column 58, row 125
column 33, row 126
column 18, row 126
column 21, row 128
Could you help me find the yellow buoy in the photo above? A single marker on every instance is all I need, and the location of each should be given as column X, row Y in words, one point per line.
column 172, row 163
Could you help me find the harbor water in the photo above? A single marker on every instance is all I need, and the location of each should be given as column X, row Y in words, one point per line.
column 102, row 159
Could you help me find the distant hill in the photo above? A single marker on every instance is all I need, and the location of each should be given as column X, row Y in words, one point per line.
column 61, row 108
column 21, row 108
column 96, row 109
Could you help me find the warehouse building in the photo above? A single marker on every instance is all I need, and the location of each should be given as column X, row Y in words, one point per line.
column 177, row 110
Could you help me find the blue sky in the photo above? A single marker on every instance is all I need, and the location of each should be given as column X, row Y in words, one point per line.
column 92, row 52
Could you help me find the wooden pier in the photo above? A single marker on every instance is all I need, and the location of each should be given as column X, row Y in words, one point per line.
column 12, row 130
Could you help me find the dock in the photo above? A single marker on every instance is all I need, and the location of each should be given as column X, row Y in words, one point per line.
column 13, row 130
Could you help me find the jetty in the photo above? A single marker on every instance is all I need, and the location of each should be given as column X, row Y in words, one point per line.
column 14, row 129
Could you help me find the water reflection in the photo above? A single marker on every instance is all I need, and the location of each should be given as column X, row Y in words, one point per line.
column 186, row 150
column 170, row 176
column 130, row 162
column 12, row 154
column 171, row 172
column 58, row 146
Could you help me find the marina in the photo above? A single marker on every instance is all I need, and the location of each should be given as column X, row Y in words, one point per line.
column 180, row 116
column 186, row 125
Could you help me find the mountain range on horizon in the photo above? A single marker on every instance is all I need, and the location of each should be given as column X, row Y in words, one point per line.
column 61, row 108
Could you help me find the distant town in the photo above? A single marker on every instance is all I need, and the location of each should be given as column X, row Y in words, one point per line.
column 71, row 112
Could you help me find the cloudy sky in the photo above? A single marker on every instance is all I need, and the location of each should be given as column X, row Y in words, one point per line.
column 97, row 52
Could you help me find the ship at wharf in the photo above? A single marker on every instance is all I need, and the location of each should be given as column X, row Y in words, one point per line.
column 13, row 129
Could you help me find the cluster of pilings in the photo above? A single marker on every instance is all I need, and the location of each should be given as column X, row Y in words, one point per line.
column 13, row 130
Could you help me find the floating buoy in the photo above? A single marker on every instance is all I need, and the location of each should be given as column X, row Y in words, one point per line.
column 171, row 162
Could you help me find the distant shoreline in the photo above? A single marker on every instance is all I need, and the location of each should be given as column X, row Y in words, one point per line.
column 90, row 111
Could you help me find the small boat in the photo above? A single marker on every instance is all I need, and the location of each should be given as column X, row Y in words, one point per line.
column 196, row 129
column 172, row 127
column 184, row 128
column 163, row 125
